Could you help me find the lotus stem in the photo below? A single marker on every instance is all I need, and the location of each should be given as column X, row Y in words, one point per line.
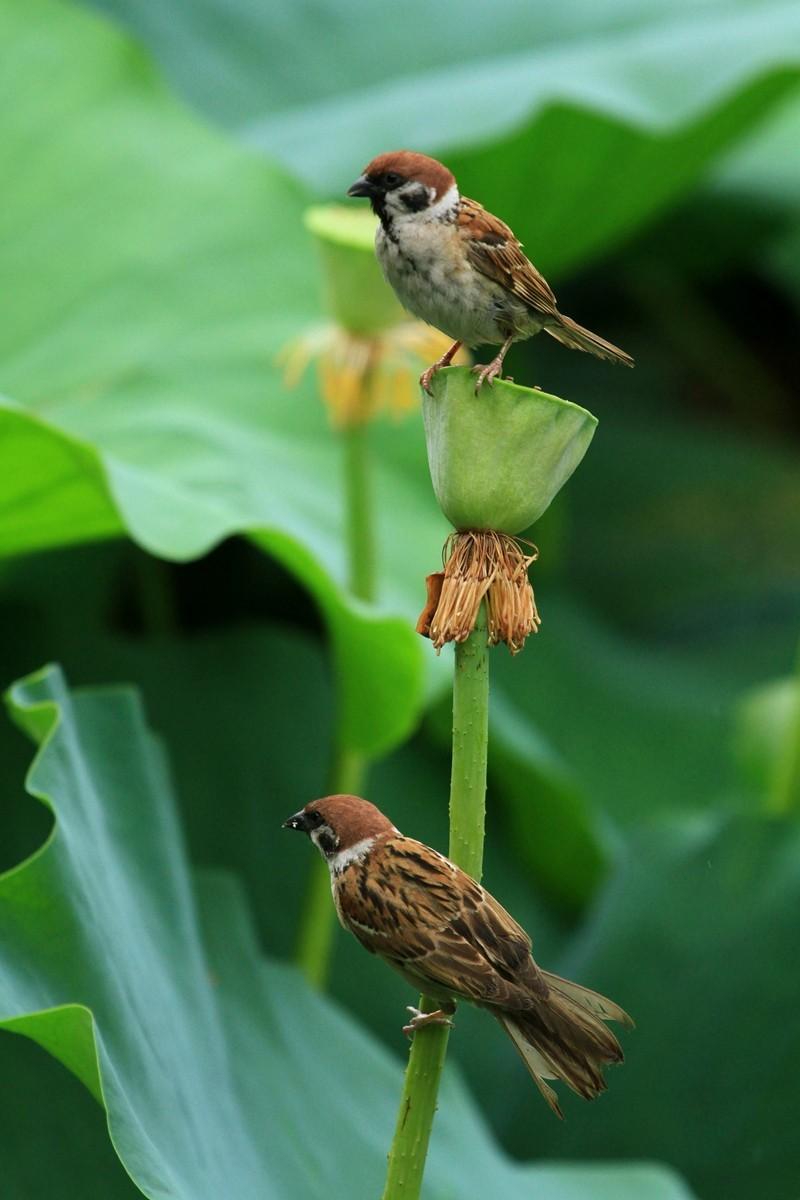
column 318, row 921
column 467, row 812
column 348, row 768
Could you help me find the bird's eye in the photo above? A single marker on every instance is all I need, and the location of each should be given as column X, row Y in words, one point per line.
column 392, row 179
column 313, row 819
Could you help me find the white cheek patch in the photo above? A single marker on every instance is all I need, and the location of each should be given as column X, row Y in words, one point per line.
column 444, row 205
column 343, row 858
column 436, row 210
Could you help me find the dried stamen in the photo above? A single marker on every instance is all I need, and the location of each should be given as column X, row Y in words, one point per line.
column 481, row 564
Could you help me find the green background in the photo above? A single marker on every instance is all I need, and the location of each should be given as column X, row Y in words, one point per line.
column 171, row 518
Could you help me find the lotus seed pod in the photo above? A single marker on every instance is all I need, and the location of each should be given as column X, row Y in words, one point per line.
column 498, row 458
column 356, row 294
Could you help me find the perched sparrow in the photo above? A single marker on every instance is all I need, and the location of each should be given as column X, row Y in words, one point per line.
column 451, row 940
column 459, row 268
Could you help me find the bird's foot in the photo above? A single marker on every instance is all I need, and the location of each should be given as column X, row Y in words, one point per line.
column 427, row 375
column 445, row 361
column 488, row 373
column 420, row 1019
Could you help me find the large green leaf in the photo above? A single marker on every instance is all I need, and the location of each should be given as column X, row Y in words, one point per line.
column 701, row 527
column 613, row 711
column 582, row 739
column 145, row 398
column 263, row 748
column 208, row 1060
column 576, row 124
column 151, row 275
column 697, row 936
column 765, row 170
column 243, row 758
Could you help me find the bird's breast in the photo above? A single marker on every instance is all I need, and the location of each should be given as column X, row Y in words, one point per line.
column 425, row 264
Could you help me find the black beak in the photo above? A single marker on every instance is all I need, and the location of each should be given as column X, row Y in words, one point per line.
column 361, row 187
column 298, row 821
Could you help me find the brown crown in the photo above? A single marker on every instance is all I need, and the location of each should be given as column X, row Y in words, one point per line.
column 351, row 818
column 415, row 166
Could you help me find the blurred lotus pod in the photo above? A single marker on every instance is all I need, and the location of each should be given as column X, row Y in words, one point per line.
column 370, row 353
column 498, row 458
column 356, row 294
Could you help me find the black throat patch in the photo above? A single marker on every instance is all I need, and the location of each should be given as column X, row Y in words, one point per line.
column 327, row 840
column 416, row 198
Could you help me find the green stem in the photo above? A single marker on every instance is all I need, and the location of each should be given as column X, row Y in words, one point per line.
column 467, row 808
column 318, row 922
column 785, row 796
column 417, row 1108
column 470, row 739
column 785, row 791
column 348, row 769
column 359, row 511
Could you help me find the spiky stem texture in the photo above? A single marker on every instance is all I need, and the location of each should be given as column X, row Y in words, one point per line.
column 467, row 809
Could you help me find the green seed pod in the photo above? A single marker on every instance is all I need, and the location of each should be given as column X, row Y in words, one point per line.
column 497, row 459
column 356, row 294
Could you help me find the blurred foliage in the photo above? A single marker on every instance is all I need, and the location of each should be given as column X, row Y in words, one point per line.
column 556, row 99
column 100, row 934
column 697, row 919
column 641, row 746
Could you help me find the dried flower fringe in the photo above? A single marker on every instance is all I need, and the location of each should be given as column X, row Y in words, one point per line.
column 481, row 563
column 360, row 376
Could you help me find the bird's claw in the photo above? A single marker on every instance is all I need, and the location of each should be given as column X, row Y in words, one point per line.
column 426, row 377
column 445, row 361
column 487, row 373
column 420, row 1019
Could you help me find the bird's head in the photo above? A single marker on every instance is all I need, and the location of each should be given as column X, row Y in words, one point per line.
column 341, row 827
column 404, row 184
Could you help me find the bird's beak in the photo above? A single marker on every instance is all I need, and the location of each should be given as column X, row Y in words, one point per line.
column 361, row 187
column 298, row 821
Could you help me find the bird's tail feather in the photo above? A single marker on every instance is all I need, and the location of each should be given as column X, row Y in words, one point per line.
column 591, row 1001
column 571, row 334
column 564, row 1037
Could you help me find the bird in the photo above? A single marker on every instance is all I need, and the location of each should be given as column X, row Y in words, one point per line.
column 458, row 267
column 451, row 940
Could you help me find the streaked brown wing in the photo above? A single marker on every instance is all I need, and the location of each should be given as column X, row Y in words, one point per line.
column 415, row 909
column 495, row 252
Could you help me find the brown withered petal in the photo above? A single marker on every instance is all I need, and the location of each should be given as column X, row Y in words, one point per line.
column 433, row 585
column 478, row 564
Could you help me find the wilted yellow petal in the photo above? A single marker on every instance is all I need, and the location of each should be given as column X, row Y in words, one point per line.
column 360, row 376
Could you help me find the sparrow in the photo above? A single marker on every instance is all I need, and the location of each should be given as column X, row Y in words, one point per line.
column 458, row 267
column 451, row 940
